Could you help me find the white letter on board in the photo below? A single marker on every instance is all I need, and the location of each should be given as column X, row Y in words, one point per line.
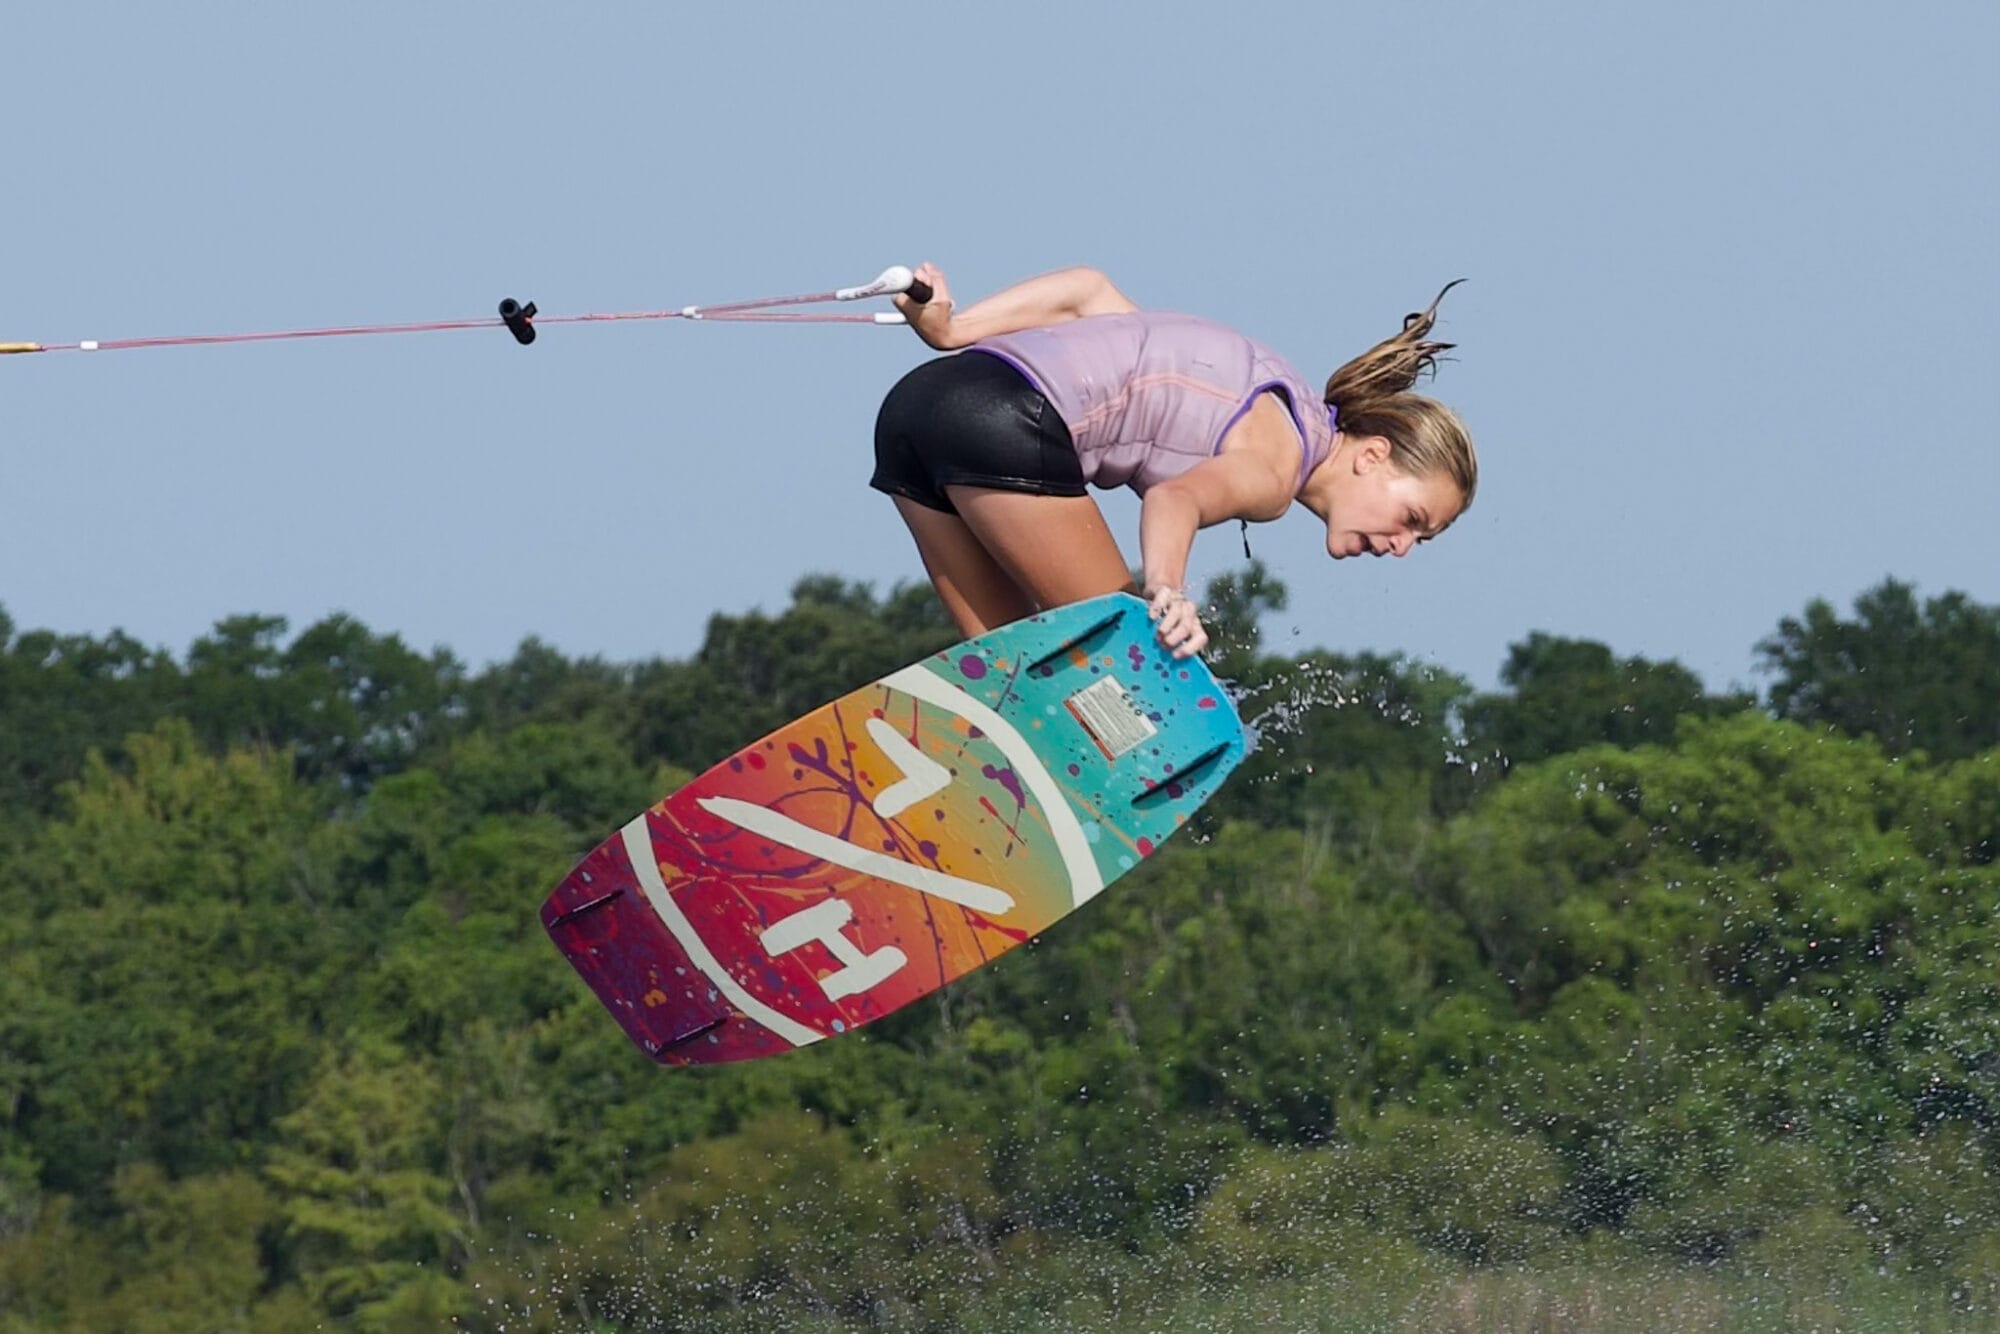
column 822, row 922
column 922, row 775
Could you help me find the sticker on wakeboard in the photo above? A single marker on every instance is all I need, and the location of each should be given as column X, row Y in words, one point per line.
column 1106, row 712
column 897, row 838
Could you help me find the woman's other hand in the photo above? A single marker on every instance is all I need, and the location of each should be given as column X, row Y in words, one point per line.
column 1178, row 623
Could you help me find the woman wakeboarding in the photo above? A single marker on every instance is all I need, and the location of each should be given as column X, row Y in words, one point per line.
column 988, row 456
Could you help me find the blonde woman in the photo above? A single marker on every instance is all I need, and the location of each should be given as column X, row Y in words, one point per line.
column 1063, row 384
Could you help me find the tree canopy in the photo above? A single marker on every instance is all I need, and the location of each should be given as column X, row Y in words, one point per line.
column 1597, row 968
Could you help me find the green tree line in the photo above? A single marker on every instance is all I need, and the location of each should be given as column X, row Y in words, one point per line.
column 1600, row 967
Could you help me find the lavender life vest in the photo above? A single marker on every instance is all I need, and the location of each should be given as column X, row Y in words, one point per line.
column 1149, row 394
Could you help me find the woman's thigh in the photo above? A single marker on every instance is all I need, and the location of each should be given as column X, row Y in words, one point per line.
column 1055, row 549
column 977, row 594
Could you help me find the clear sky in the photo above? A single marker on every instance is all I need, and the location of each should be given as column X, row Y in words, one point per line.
column 1727, row 344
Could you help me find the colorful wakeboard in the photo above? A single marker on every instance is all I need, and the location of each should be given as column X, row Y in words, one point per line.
column 897, row 838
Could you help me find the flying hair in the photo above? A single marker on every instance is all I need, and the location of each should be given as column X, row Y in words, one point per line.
column 1372, row 396
column 1392, row 365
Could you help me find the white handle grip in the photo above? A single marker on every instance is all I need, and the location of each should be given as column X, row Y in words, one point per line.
column 896, row 278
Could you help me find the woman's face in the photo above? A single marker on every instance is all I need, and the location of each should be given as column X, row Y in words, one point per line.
column 1373, row 508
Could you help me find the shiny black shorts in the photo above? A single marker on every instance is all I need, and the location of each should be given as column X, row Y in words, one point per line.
column 971, row 420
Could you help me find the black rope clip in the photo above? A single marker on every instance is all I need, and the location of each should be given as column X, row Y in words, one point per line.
column 519, row 319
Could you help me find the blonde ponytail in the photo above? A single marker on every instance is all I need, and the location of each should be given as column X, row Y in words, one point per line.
column 1373, row 398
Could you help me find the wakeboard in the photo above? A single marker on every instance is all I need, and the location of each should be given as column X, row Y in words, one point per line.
column 897, row 838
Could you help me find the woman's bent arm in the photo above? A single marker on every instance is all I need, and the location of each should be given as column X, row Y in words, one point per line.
column 1229, row 486
column 1051, row 298
column 1239, row 485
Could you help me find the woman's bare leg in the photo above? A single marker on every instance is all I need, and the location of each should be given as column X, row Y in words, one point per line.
column 1055, row 550
column 976, row 592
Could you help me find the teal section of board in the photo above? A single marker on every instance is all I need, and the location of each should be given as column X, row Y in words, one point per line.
column 1135, row 738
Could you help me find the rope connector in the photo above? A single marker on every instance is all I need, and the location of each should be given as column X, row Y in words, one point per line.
column 519, row 320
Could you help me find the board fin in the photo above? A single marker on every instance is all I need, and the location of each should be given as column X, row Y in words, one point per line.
column 569, row 914
column 681, row 1039
column 1080, row 641
column 1182, row 778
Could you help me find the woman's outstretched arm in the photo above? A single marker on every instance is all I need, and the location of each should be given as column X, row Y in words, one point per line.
column 1051, row 298
column 1250, row 482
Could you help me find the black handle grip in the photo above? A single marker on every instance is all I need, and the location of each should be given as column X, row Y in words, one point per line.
column 919, row 291
column 519, row 320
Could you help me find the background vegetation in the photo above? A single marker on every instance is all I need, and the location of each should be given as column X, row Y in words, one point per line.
column 1601, row 998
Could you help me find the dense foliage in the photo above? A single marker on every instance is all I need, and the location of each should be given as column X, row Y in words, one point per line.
column 1598, row 965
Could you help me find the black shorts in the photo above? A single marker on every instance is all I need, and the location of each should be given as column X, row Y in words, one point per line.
column 971, row 420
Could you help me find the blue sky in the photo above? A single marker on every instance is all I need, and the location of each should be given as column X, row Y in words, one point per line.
column 1725, row 344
